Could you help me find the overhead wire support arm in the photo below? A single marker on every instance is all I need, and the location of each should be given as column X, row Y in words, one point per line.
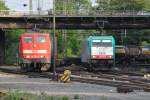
column 101, row 25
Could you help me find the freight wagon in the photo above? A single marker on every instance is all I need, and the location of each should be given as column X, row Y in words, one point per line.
column 132, row 55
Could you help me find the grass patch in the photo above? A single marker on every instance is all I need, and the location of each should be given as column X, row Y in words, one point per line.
column 76, row 97
column 17, row 95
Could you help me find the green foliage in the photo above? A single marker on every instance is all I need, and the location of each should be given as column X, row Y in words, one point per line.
column 147, row 4
column 72, row 6
column 133, row 37
column 76, row 97
column 104, row 98
column 103, row 5
column 120, row 5
column 3, row 6
column 127, row 5
column 144, row 43
column 65, row 98
column 17, row 95
column 12, row 45
column 138, row 37
column 72, row 43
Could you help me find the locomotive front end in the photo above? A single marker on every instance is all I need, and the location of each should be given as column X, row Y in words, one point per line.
column 98, row 51
column 102, row 48
column 35, row 49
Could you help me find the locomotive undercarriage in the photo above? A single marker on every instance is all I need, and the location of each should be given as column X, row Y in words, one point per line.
column 35, row 67
column 28, row 66
column 102, row 65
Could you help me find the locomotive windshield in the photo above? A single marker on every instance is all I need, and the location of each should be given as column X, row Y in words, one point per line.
column 28, row 39
column 41, row 39
column 102, row 43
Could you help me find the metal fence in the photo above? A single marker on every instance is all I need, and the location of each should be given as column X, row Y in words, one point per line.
column 12, row 13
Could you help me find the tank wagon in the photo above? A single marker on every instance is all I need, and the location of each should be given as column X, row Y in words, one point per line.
column 35, row 51
column 131, row 54
column 98, row 51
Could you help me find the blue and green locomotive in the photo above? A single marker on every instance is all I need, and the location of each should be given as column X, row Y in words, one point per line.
column 98, row 51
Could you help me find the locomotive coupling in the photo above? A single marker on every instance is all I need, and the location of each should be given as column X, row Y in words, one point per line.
column 66, row 76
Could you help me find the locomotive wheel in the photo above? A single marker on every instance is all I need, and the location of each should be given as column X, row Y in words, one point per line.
column 25, row 67
column 29, row 68
column 90, row 67
column 35, row 67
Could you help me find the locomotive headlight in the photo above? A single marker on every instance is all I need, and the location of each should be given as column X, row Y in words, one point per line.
column 27, row 56
column 110, row 56
column 42, row 56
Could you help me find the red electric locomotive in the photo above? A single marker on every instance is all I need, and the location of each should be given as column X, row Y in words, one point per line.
column 35, row 51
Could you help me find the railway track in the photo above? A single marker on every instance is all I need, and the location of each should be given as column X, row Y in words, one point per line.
column 114, row 80
column 114, row 83
column 132, row 80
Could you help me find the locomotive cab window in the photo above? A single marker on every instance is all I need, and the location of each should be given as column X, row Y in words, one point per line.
column 102, row 43
column 41, row 39
column 28, row 39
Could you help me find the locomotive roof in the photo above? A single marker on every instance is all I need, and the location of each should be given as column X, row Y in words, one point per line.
column 36, row 33
column 100, row 37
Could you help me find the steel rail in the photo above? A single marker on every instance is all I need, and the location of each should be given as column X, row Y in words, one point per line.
column 113, row 83
column 102, row 79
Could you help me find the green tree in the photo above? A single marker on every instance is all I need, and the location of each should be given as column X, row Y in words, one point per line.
column 147, row 4
column 103, row 5
column 3, row 6
column 127, row 5
column 12, row 45
column 72, row 43
column 72, row 6
column 120, row 5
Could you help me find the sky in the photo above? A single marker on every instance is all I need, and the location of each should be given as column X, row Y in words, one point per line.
column 18, row 4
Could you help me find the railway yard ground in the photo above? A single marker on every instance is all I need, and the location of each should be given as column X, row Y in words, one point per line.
column 104, row 88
